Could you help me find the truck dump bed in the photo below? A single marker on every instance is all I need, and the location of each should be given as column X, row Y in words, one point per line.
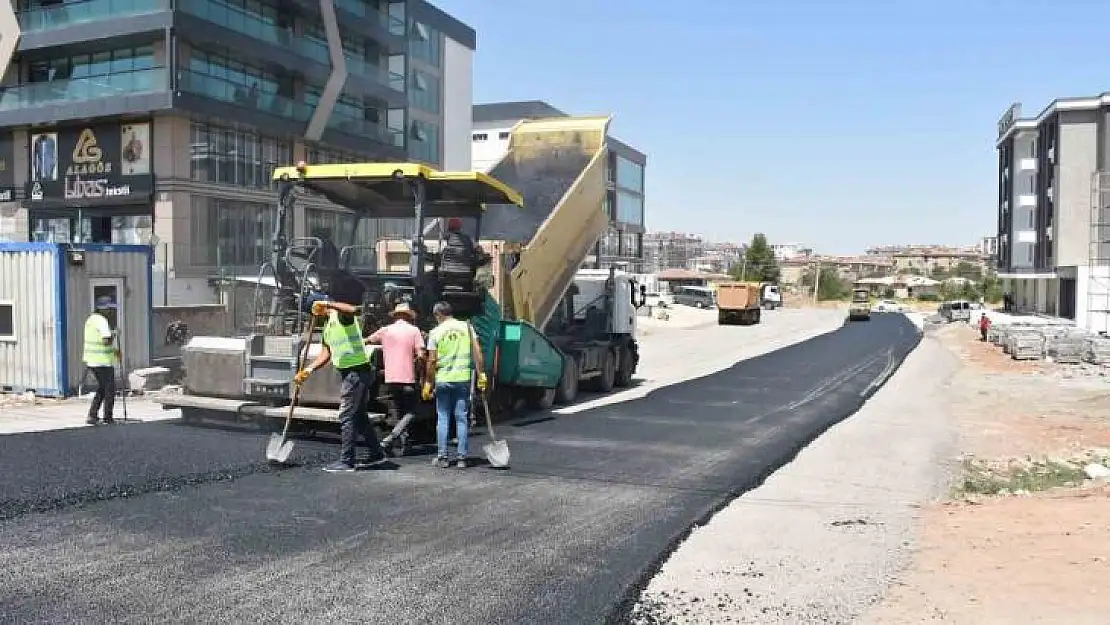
column 558, row 166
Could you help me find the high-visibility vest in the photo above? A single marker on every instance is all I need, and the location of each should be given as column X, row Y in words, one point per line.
column 345, row 343
column 97, row 354
column 453, row 358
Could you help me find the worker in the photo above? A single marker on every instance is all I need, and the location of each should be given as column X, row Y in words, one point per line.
column 460, row 258
column 453, row 356
column 402, row 346
column 100, row 357
column 984, row 326
column 343, row 347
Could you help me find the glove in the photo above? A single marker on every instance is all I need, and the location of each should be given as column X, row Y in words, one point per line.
column 301, row 376
column 320, row 309
column 119, row 354
column 426, row 392
column 483, row 383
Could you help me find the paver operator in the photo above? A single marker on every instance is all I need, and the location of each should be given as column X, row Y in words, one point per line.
column 453, row 356
column 100, row 357
column 402, row 346
column 343, row 347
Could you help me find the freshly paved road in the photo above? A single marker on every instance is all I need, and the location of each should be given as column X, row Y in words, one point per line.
column 593, row 500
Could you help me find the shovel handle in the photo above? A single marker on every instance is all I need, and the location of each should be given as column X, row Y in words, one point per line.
column 302, row 355
column 478, row 391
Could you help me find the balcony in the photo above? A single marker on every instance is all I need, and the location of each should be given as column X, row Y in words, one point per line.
column 366, row 129
column 110, row 94
column 384, row 83
column 73, row 13
column 237, row 95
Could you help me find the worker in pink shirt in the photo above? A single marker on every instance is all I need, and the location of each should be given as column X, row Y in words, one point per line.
column 402, row 345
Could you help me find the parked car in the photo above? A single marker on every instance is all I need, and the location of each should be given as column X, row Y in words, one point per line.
column 888, row 305
column 696, row 296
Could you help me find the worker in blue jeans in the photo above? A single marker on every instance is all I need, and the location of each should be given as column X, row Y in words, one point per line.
column 454, row 355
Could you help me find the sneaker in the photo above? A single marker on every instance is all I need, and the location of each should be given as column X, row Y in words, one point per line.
column 92, row 421
column 370, row 463
column 340, row 467
column 387, row 448
column 461, row 463
column 406, row 445
column 440, row 462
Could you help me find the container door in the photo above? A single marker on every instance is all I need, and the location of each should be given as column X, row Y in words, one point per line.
column 113, row 288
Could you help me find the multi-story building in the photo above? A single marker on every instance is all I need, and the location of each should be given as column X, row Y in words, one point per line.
column 786, row 251
column 671, row 250
column 159, row 121
column 988, row 248
column 622, row 244
column 1053, row 216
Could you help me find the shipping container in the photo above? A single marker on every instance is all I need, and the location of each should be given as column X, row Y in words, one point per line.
column 46, row 294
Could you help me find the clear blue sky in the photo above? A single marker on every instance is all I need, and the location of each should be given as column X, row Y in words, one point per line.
column 838, row 124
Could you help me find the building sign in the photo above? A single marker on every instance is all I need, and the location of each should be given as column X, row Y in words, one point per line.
column 1009, row 118
column 7, row 174
column 91, row 165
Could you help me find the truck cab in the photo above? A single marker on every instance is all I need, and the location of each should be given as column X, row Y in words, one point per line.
column 860, row 308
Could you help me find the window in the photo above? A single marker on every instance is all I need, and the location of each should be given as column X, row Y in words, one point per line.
column 503, row 135
column 424, row 44
column 424, row 142
column 231, row 233
column 630, row 208
column 481, row 136
column 88, row 65
column 425, row 92
column 235, row 157
column 7, row 321
column 630, row 175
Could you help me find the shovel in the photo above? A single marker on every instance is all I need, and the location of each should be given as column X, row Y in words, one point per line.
column 280, row 447
column 497, row 450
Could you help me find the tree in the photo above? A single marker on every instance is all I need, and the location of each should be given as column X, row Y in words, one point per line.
column 759, row 264
column 964, row 269
column 831, row 287
column 938, row 273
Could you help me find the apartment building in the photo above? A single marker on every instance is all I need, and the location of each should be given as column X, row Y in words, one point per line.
column 161, row 121
column 785, row 251
column 1054, row 209
column 672, row 250
column 622, row 244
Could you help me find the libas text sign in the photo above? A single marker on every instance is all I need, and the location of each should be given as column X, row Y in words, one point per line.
column 88, row 165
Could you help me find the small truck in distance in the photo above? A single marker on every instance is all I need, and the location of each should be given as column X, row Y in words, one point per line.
column 738, row 303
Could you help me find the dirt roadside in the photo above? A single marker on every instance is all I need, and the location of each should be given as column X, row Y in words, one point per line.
column 1025, row 536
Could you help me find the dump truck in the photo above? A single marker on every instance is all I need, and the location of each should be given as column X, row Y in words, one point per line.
column 739, row 303
column 860, row 308
column 546, row 331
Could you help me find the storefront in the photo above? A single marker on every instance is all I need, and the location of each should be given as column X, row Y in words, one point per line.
column 90, row 184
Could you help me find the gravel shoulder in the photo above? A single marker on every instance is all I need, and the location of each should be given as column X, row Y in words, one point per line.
column 819, row 541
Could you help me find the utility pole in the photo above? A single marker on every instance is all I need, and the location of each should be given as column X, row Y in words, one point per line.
column 816, row 281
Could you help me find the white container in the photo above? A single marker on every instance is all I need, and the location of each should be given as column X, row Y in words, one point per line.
column 50, row 289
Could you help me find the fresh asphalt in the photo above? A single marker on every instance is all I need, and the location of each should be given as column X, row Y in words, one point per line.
column 166, row 522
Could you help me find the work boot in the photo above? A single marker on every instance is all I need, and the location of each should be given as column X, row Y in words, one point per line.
column 461, row 463
column 92, row 420
column 440, row 462
column 406, row 444
column 340, row 467
column 387, row 448
column 109, row 420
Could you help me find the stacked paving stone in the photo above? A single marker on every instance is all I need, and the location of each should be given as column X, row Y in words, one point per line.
column 1064, row 344
column 1096, row 350
column 1026, row 343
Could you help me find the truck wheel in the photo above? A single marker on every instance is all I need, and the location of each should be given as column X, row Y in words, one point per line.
column 604, row 382
column 755, row 316
column 624, row 371
column 722, row 318
column 568, row 385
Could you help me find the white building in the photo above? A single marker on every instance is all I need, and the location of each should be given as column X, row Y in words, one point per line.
column 786, row 251
column 622, row 244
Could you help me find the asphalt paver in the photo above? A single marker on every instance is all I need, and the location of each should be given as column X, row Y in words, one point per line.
column 569, row 534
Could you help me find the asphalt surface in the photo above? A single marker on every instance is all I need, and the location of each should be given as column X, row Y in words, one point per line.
column 569, row 535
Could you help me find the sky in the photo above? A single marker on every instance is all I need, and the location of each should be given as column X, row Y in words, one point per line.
column 838, row 124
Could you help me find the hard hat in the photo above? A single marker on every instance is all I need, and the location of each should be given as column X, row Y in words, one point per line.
column 105, row 302
column 454, row 224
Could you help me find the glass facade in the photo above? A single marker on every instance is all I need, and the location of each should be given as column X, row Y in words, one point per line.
column 630, row 208
column 630, row 175
column 117, row 230
column 235, row 157
column 424, row 92
column 82, row 77
column 424, row 142
column 425, row 44
column 40, row 15
column 230, row 233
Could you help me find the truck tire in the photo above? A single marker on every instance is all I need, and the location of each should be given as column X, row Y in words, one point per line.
column 541, row 398
column 755, row 316
column 605, row 381
column 567, row 391
column 722, row 318
column 624, row 370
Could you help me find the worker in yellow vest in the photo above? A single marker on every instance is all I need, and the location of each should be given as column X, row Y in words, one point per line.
column 452, row 350
column 343, row 347
column 100, row 357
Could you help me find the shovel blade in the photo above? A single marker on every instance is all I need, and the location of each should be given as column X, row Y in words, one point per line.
column 497, row 453
column 278, row 449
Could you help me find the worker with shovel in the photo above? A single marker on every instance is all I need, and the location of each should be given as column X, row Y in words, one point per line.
column 453, row 357
column 100, row 357
column 342, row 346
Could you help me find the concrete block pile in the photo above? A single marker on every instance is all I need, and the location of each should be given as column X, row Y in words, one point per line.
column 1039, row 338
column 1026, row 343
column 1096, row 350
